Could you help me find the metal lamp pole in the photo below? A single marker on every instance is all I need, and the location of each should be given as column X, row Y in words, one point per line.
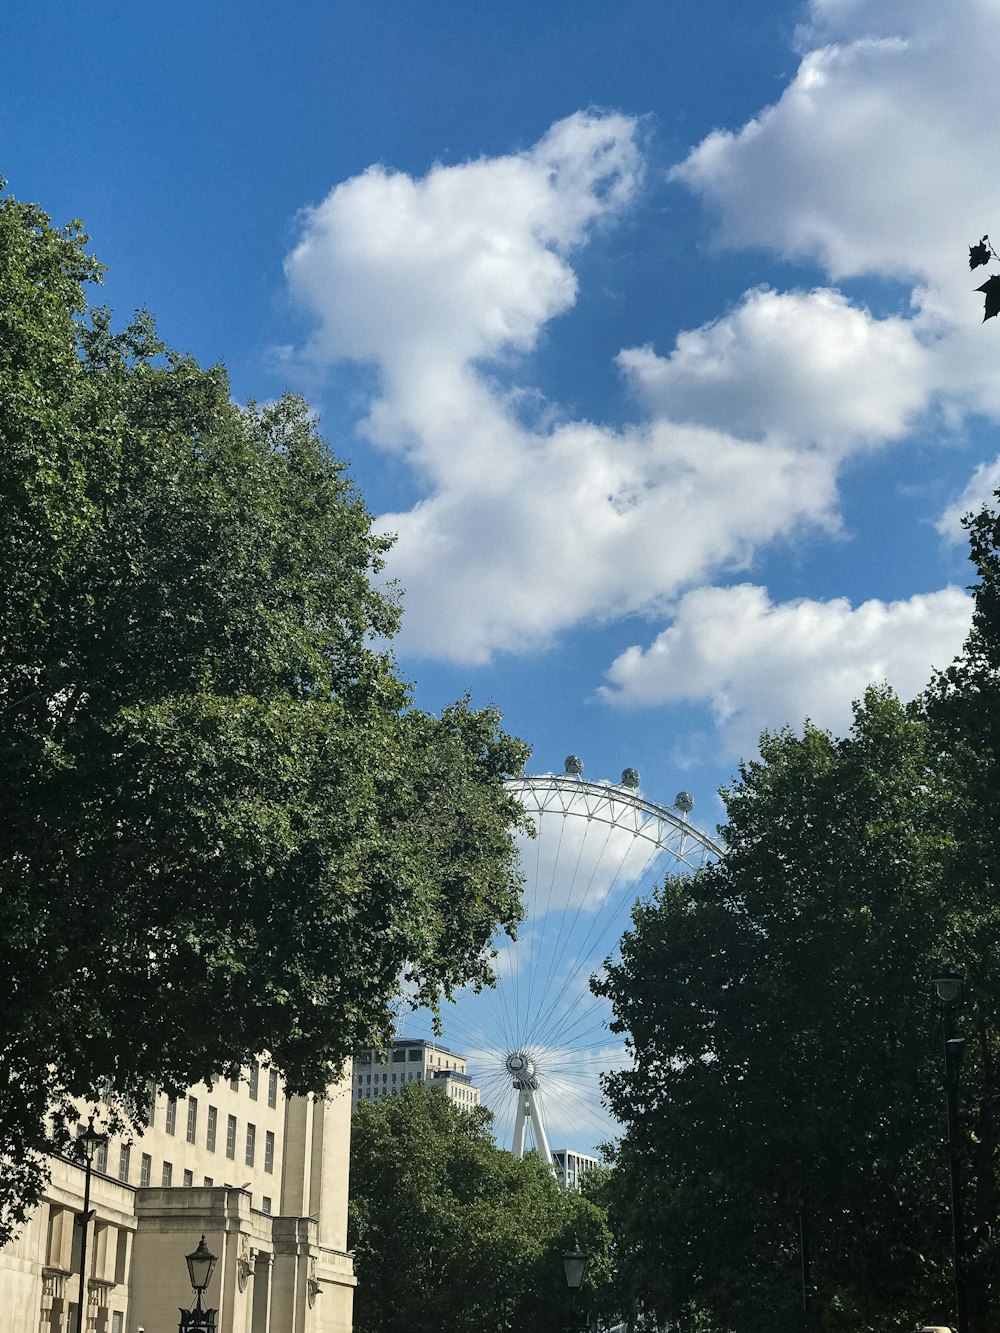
column 89, row 1141
column 948, row 987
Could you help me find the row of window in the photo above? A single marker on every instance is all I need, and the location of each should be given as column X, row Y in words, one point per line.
column 212, row 1129
column 403, row 1078
column 399, row 1055
column 125, row 1152
column 187, row 1180
column 192, row 1113
column 461, row 1094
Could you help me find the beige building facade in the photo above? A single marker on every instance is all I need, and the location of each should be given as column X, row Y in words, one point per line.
column 262, row 1175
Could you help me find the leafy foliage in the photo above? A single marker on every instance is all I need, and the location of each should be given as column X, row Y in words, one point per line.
column 451, row 1233
column 224, row 828
column 788, row 1061
column 980, row 254
column 789, row 1064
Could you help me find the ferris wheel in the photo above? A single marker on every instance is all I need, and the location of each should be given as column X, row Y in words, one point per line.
column 537, row 1043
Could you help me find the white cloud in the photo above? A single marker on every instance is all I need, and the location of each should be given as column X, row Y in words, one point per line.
column 873, row 158
column 877, row 160
column 761, row 665
column 524, row 531
column 808, row 367
column 980, row 492
column 466, row 262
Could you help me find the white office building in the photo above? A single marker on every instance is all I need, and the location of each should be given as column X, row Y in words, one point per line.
column 571, row 1165
column 412, row 1060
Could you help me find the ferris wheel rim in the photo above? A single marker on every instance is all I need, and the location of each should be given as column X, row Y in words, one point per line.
column 604, row 793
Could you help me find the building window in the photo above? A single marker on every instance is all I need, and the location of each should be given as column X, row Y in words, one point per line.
column 251, row 1143
column 268, row 1151
column 272, row 1087
column 151, row 1107
column 124, row 1154
column 168, row 1174
column 116, row 1321
column 254, row 1080
column 398, row 1056
column 234, row 1083
column 231, row 1137
column 101, row 1159
column 265, row 1205
column 415, row 1053
column 368, row 1079
column 145, row 1170
column 208, row 1182
column 171, row 1114
column 192, row 1125
column 188, row 1179
column 213, row 1122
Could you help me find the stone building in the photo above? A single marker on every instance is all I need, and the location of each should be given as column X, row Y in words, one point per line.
column 262, row 1175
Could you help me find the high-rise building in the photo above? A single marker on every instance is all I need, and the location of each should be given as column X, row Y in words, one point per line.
column 412, row 1060
column 262, row 1175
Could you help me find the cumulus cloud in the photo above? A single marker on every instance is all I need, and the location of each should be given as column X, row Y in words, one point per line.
column 872, row 159
column 978, row 494
column 805, row 366
column 760, row 665
column 875, row 160
column 525, row 530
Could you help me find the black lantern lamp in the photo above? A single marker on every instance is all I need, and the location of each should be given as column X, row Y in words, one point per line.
column 947, row 985
column 200, row 1265
column 89, row 1140
column 575, row 1268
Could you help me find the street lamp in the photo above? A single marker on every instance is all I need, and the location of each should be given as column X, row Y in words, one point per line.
column 200, row 1265
column 575, row 1266
column 947, row 985
column 88, row 1141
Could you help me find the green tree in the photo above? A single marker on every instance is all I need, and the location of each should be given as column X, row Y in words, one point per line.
column 787, row 1052
column 454, row 1235
column 224, row 829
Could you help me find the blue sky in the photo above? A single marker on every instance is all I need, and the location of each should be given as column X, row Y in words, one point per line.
column 647, row 326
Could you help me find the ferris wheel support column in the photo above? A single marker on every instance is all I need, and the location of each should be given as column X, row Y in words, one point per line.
column 521, row 1068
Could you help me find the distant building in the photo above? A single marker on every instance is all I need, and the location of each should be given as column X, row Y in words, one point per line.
column 571, row 1165
column 412, row 1060
column 264, row 1176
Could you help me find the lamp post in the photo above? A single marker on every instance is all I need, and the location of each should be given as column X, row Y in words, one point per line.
column 200, row 1265
column 947, row 985
column 575, row 1266
column 88, row 1142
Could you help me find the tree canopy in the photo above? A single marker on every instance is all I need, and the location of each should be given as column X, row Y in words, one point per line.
column 453, row 1234
column 224, row 828
column 788, row 1060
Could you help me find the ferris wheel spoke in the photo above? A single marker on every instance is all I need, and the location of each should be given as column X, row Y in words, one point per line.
column 557, row 945
column 614, row 919
column 534, row 916
column 560, row 946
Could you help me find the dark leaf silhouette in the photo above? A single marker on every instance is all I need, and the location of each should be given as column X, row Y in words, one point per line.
column 991, row 290
column 979, row 254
